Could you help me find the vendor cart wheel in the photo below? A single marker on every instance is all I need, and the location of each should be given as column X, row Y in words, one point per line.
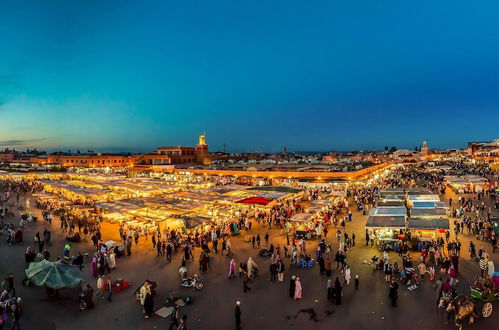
column 487, row 309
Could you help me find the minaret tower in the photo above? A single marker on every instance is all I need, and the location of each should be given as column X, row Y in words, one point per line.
column 202, row 155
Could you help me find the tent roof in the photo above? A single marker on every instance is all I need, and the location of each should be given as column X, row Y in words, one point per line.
column 428, row 212
column 388, row 211
column 417, row 223
column 302, row 217
column 424, row 205
column 385, row 221
column 287, row 190
column 389, row 203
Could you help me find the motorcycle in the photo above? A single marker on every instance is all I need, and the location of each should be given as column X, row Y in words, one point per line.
column 253, row 274
column 193, row 282
column 264, row 252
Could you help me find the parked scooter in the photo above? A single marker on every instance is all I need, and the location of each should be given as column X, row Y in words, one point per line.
column 264, row 252
column 192, row 282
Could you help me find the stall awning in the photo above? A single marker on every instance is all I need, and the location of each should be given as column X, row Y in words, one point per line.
column 423, row 198
column 255, row 200
column 389, row 203
column 301, row 217
column 388, row 211
column 424, row 205
column 436, row 212
column 321, row 202
column 287, row 190
column 385, row 221
column 428, row 224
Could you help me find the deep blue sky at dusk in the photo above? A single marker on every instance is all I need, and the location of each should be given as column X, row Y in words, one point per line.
column 313, row 75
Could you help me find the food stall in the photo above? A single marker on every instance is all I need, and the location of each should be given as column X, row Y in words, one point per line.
column 427, row 229
column 386, row 229
column 303, row 225
column 427, row 197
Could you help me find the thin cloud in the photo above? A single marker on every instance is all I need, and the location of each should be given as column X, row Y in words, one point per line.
column 19, row 142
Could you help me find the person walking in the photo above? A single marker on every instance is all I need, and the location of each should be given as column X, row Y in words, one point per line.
column 337, row 291
column 237, row 314
column 232, row 269
column 422, row 270
column 280, row 271
column 483, row 267
column 292, row 286
column 273, row 271
column 298, row 289
column 169, row 250
column 393, row 293
column 109, row 287
column 347, row 274
column 10, row 284
column 330, row 289
column 16, row 312
column 175, row 317
column 183, row 323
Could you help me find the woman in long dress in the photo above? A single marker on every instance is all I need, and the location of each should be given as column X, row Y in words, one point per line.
column 337, row 292
column 330, row 290
column 112, row 260
column 348, row 275
column 94, row 267
column 298, row 290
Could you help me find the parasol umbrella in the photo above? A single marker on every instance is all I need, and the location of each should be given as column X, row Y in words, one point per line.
column 55, row 275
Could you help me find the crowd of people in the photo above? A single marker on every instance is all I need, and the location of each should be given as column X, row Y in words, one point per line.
column 437, row 261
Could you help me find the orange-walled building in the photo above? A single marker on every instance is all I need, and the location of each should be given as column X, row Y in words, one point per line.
column 6, row 156
column 162, row 156
column 177, row 155
column 99, row 160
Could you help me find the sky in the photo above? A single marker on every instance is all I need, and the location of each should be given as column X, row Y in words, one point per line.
column 254, row 75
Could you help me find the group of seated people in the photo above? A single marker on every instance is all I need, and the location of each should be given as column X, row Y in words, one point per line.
column 487, row 286
column 307, row 261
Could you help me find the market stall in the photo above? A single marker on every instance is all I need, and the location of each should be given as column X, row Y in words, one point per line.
column 303, row 225
column 427, row 229
column 386, row 229
column 427, row 197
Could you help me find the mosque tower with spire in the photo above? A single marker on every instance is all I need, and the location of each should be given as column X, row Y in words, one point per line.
column 202, row 155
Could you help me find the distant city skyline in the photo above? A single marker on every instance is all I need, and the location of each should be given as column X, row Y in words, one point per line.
column 319, row 76
column 235, row 150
